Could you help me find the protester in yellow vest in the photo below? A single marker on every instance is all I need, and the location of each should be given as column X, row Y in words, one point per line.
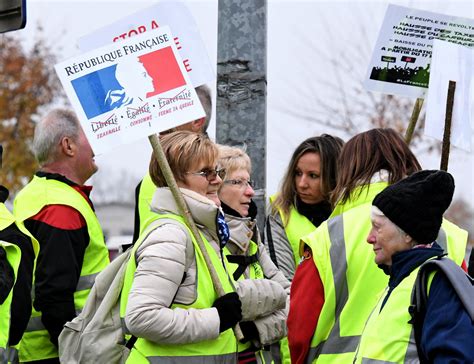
column 171, row 305
column 17, row 256
column 10, row 257
column 146, row 188
column 337, row 285
column 246, row 255
column 406, row 218
column 302, row 203
column 56, row 209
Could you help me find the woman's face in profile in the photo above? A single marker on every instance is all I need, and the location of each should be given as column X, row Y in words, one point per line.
column 197, row 181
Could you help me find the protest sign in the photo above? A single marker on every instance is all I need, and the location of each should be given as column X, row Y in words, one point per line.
column 451, row 62
column 131, row 89
column 174, row 14
column 407, row 35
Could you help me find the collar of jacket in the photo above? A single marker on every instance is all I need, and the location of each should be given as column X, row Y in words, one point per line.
column 241, row 232
column 59, row 177
column 360, row 195
column 316, row 213
column 404, row 262
column 230, row 211
column 203, row 210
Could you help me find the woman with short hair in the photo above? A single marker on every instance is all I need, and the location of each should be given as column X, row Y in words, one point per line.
column 246, row 253
column 169, row 302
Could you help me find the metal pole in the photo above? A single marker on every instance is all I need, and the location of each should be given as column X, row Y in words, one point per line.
column 242, row 85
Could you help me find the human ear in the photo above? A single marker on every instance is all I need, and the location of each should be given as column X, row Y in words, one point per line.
column 408, row 239
column 67, row 146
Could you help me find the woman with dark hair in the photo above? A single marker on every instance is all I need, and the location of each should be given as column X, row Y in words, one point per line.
column 337, row 284
column 303, row 201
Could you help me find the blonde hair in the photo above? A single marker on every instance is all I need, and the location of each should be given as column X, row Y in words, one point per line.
column 183, row 150
column 233, row 159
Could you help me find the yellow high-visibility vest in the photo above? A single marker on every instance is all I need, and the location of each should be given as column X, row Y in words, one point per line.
column 35, row 344
column 223, row 349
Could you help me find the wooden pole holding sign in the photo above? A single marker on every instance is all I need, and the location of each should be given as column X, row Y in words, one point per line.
column 188, row 219
column 413, row 120
column 447, row 126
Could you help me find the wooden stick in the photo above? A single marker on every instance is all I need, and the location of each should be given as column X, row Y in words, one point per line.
column 413, row 120
column 188, row 219
column 447, row 127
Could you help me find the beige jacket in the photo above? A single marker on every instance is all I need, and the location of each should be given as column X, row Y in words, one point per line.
column 167, row 273
column 272, row 292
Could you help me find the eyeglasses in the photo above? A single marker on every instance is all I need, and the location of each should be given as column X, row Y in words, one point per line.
column 210, row 174
column 241, row 183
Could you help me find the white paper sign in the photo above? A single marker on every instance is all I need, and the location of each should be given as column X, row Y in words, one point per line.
column 401, row 58
column 128, row 90
column 174, row 14
column 451, row 62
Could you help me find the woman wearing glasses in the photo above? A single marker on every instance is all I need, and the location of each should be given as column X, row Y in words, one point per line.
column 246, row 255
column 169, row 302
column 302, row 203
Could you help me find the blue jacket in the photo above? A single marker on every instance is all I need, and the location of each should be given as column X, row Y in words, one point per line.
column 448, row 331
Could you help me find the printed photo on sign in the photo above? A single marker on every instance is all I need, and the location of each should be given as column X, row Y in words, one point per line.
column 401, row 58
column 134, row 79
column 130, row 89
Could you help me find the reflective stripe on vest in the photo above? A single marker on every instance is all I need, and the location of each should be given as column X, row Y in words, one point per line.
column 335, row 343
column 35, row 344
column 9, row 356
column 13, row 254
column 298, row 225
column 223, row 349
column 344, row 261
column 207, row 359
column 86, row 282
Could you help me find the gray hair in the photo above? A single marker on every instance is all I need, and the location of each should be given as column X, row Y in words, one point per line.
column 204, row 94
column 49, row 131
column 377, row 212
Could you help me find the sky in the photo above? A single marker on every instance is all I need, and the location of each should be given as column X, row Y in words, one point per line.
column 302, row 38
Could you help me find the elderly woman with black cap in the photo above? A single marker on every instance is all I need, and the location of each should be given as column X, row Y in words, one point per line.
column 406, row 218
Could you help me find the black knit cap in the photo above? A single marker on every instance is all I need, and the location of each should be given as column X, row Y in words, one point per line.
column 417, row 203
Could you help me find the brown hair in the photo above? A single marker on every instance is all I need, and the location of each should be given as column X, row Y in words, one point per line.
column 369, row 152
column 183, row 150
column 328, row 147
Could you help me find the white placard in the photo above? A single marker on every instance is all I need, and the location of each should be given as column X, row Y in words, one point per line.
column 128, row 90
column 401, row 58
column 174, row 14
column 451, row 62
